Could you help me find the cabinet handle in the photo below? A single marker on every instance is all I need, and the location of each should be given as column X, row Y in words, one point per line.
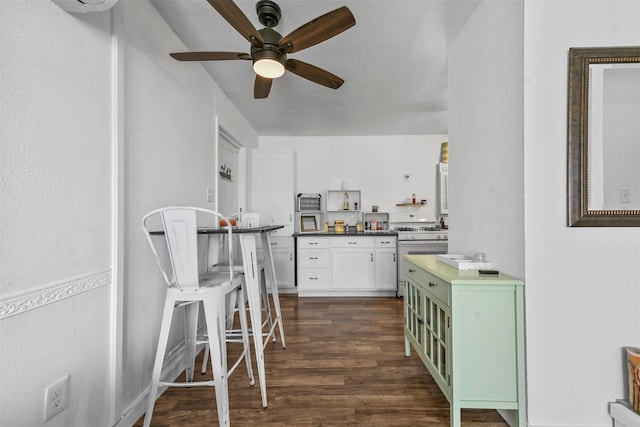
column 313, row 243
column 353, row 243
column 290, row 256
column 313, row 278
column 371, row 256
column 385, row 243
column 394, row 257
column 274, row 243
column 411, row 270
column 313, row 257
column 431, row 284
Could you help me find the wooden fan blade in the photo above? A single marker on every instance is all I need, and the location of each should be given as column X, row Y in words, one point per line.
column 209, row 56
column 320, row 29
column 313, row 73
column 238, row 20
column 261, row 87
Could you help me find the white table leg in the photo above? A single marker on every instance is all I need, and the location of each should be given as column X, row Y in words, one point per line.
column 270, row 276
column 249, row 259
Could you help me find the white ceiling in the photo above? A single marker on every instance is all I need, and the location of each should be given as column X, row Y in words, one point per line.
column 393, row 62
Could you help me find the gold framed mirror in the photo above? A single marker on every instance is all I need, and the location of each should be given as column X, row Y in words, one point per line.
column 603, row 164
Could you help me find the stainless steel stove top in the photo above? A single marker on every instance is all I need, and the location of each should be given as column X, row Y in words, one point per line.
column 414, row 227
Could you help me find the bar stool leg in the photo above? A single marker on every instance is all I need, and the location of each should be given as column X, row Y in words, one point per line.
column 165, row 326
column 190, row 327
column 215, row 317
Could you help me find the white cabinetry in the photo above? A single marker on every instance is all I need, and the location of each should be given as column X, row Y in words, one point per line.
column 272, row 191
column 347, row 265
column 314, row 271
column 386, row 272
column 352, row 266
column 283, row 252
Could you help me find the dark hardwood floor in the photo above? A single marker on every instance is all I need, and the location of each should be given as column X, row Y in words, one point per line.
column 344, row 365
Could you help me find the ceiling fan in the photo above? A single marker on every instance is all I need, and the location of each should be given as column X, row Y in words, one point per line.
column 269, row 49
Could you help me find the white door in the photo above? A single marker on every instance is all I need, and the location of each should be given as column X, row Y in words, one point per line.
column 272, row 185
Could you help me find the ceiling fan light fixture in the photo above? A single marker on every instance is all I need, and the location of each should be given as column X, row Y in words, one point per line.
column 268, row 64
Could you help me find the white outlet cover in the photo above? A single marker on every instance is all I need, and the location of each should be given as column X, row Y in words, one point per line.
column 55, row 398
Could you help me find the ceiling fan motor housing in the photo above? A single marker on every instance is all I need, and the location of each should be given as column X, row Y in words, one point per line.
column 270, row 49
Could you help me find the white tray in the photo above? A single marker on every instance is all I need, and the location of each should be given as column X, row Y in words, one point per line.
column 463, row 262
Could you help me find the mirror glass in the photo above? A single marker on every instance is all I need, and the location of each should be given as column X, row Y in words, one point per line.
column 614, row 136
column 604, row 136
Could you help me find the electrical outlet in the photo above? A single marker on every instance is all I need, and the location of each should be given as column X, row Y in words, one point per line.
column 55, row 398
column 625, row 195
column 211, row 195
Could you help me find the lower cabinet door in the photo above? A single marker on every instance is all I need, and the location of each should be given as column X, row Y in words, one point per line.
column 284, row 266
column 386, row 274
column 351, row 268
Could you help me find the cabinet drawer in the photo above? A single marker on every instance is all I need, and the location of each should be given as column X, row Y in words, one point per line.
column 281, row 242
column 433, row 285
column 312, row 278
column 313, row 243
column 386, row 242
column 352, row 242
column 313, row 258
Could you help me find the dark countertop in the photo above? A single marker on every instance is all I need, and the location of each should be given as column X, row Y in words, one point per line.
column 351, row 233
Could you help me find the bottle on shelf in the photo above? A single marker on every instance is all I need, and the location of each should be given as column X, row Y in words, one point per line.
column 345, row 204
column 413, row 198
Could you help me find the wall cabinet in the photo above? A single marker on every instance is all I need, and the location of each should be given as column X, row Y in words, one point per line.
column 347, row 265
column 468, row 329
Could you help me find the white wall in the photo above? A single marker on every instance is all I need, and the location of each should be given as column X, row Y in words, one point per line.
column 62, row 74
column 55, row 211
column 486, row 183
column 376, row 165
column 169, row 159
column 583, row 286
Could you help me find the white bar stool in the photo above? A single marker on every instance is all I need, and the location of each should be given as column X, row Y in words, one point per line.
column 186, row 288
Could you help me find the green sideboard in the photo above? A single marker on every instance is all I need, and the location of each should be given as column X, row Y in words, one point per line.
column 468, row 329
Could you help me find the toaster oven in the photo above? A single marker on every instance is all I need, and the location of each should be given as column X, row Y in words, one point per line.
column 306, row 202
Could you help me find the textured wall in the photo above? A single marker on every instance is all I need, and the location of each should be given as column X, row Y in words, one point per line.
column 583, row 286
column 55, row 211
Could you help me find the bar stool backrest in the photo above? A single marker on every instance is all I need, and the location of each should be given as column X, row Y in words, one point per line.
column 253, row 218
column 180, row 227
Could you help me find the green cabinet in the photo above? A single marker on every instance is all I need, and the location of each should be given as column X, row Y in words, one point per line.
column 468, row 329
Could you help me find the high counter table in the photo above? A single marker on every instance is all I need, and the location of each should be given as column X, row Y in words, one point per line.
column 247, row 239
